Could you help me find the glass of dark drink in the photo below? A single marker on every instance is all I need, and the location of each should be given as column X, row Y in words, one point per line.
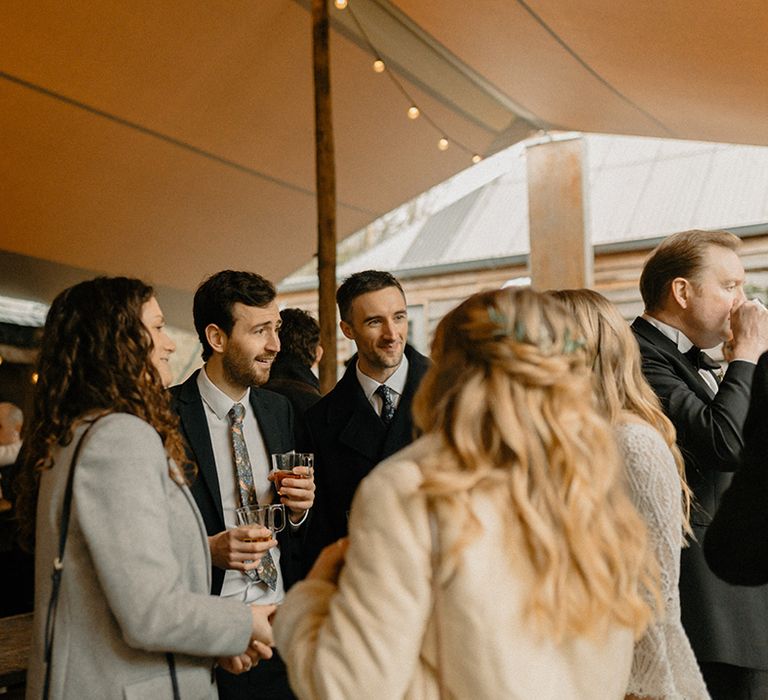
column 283, row 464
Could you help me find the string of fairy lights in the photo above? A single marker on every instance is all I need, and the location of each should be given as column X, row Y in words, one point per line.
column 414, row 111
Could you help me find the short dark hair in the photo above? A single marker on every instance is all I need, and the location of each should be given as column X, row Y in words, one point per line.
column 217, row 295
column 680, row 255
column 299, row 337
column 362, row 283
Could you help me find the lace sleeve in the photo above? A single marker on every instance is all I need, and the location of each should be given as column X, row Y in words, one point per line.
column 663, row 665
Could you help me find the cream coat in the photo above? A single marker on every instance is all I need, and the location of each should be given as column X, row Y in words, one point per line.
column 136, row 575
column 373, row 637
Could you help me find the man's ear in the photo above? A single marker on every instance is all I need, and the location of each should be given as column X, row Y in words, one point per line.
column 346, row 329
column 216, row 337
column 680, row 289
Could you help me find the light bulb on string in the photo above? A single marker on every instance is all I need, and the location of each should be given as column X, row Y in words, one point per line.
column 442, row 144
column 413, row 112
column 476, row 158
column 340, row 4
column 378, row 66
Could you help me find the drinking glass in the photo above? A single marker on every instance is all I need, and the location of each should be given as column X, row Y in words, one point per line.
column 283, row 464
column 270, row 516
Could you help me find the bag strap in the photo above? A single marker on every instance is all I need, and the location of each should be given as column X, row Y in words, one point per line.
column 174, row 681
column 58, row 568
column 58, row 563
column 434, row 532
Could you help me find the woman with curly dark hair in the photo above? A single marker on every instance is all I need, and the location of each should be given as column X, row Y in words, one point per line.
column 131, row 615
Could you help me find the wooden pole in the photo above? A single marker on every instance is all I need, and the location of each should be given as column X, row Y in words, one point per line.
column 561, row 247
column 325, row 170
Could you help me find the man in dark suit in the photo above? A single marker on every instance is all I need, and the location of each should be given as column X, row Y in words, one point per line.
column 692, row 288
column 231, row 428
column 359, row 423
column 736, row 546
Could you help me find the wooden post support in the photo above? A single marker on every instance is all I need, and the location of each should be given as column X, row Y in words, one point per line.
column 325, row 169
column 561, row 246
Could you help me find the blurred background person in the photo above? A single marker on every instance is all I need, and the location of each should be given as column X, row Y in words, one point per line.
column 664, row 665
column 300, row 351
column 11, row 419
column 134, row 608
column 515, row 489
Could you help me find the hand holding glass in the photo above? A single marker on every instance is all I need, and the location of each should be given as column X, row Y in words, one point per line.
column 283, row 464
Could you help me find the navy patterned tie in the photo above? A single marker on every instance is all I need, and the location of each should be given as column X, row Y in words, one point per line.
column 387, row 404
column 266, row 570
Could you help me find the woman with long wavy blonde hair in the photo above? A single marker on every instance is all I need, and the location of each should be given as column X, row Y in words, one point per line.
column 664, row 665
column 540, row 559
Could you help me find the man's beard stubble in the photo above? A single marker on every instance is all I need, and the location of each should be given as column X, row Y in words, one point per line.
column 240, row 371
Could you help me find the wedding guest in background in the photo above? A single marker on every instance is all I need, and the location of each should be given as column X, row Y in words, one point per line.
column 496, row 556
column 134, row 613
column 664, row 665
column 366, row 417
column 300, row 351
column 693, row 290
column 11, row 419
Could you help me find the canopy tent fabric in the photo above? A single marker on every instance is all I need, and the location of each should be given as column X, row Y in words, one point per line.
column 169, row 140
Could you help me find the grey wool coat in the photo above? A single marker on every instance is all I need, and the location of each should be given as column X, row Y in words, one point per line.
column 136, row 576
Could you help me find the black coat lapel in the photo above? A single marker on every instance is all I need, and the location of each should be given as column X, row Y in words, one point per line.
column 189, row 406
column 648, row 333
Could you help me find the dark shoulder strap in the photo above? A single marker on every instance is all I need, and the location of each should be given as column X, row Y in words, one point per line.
column 58, row 562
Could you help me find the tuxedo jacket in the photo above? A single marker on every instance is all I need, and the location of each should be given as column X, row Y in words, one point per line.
column 736, row 546
column 349, row 439
column 275, row 418
column 725, row 623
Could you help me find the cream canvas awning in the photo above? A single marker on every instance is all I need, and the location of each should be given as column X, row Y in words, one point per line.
column 169, row 140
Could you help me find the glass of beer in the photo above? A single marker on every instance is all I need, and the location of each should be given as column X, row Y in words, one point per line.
column 283, row 464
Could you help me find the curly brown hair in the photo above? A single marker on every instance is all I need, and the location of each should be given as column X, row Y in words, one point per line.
column 95, row 359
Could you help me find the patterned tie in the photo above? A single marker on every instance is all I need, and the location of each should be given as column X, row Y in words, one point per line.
column 266, row 570
column 387, row 404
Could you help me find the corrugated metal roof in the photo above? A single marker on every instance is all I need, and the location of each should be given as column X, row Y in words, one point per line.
column 639, row 188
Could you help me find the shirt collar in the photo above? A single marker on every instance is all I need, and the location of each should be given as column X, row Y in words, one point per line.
column 683, row 343
column 396, row 382
column 215, row 398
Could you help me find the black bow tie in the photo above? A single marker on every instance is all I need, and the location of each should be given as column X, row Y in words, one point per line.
column 700, row 360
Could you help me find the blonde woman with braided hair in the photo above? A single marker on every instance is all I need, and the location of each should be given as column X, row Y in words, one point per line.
column 498, row 556
column 664, row 665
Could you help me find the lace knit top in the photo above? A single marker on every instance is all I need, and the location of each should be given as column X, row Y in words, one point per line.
column 663, row 665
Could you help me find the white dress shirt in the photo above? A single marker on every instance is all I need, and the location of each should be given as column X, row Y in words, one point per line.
column 396, row 383
column 217, row 406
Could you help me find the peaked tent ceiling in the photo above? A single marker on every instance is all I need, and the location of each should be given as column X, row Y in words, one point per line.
column 169, row 140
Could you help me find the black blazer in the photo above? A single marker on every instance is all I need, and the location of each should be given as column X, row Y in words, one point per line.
column 275, row 418
column 349, row 439
column 724, row 623
column 736, row 545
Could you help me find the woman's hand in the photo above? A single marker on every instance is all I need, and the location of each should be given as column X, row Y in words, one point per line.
column 261, row 619
column 328, row 565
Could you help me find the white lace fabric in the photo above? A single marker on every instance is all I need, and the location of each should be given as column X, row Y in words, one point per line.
column 663, row 665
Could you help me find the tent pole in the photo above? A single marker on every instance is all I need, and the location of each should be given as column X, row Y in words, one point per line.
column 325, row 169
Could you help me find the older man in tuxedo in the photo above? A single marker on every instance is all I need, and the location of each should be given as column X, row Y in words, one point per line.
column 692, row 288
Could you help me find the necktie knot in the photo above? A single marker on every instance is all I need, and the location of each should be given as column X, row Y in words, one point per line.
column 387, row 403
column 236, row 413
